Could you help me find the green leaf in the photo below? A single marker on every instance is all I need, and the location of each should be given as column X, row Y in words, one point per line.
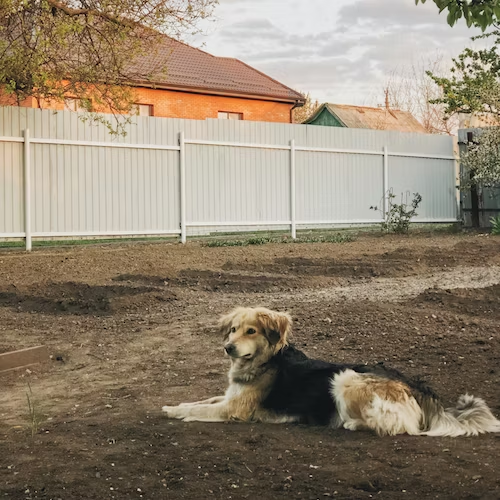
column 484, row 22
column 482, row 13
column 447, row 4
column 466, row 11
column 451, row 18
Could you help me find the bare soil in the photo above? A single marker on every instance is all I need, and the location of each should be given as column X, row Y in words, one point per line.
column 131, row 327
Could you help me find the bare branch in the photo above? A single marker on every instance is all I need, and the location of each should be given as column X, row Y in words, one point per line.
column 410, row 89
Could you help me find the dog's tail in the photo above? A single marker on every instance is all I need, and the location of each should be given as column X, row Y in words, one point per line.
column 470, row 417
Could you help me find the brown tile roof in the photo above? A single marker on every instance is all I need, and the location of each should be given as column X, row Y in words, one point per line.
column 373, row 118
column 190, row 68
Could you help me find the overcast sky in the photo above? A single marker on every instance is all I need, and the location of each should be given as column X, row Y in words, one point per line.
column 340, row 51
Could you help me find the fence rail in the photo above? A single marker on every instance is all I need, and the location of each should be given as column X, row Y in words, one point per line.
column 64, row 178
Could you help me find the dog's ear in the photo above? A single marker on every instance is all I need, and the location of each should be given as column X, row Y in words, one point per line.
column 277, row 327
column 226, row 321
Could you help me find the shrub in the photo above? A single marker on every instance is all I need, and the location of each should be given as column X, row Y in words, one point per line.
column 399, row 216
column 495, row 225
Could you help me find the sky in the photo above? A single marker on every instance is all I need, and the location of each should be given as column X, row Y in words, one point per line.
column 340, row 51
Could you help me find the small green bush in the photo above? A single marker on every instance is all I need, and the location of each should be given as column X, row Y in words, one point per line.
column 399, row 216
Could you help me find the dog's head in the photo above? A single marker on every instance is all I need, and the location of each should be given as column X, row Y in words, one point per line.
column 254, row 333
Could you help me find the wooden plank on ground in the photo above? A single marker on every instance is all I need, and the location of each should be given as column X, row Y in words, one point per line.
column 23, row 357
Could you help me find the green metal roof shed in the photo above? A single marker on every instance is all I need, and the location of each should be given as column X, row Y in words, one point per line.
column 342, row 115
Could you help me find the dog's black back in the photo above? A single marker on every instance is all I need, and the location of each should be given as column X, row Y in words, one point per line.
column 303, row 385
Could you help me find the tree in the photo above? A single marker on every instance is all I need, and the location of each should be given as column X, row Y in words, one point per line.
column 409, row 88
column 300, row 115
column 50, row 49
column 481, row 162
column 481, row 13
column 474, row 85
column 474, row 89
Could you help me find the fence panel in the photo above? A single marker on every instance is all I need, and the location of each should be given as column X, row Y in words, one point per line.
column 85, row 181
column 237, row 185
column 431, row 178
column 84, row 190
column 338, row 188
column 11, row 189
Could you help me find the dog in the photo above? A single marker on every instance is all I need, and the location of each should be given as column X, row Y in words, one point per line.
column 271, row 381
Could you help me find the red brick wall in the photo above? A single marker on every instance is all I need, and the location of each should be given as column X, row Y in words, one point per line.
column 9, row 100
column 171, row 104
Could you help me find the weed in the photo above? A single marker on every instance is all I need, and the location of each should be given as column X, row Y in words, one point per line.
column 260, row 240
column 34, row 416
column 222, row 242
column 90, row 241
column 329, row 238
column 239, row 243
column 495, row 225
column 226, row 243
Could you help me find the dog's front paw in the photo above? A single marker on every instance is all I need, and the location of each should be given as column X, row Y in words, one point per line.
column 173, row 411
column 190, row 419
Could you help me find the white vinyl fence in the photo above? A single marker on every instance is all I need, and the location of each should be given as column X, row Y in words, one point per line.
column 61, row 177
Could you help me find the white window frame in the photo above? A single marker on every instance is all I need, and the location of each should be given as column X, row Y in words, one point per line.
column 73, row 104
column 138, row 108
column 229, row 115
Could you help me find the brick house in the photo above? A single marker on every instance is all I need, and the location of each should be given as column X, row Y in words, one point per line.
column 198, row 85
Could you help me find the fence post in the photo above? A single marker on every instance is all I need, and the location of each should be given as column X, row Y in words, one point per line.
column 182, row 182
column 27, row 190
column 386, row 182
column 293, row 226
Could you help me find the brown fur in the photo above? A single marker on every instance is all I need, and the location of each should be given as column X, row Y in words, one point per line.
column 252, row 337
column 360, row 396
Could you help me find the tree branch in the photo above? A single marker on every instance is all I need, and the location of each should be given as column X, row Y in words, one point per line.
column 85, row 12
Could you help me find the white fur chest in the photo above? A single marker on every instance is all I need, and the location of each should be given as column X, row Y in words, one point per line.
column 234, row 390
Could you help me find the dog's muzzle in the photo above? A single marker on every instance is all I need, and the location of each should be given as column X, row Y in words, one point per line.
column 230, row 349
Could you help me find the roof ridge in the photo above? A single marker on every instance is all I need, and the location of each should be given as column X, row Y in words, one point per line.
column 378, row 108
column 316, row 113
column 188, row 46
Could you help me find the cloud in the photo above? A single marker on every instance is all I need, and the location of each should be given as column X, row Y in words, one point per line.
column 338, row 51
column 390, row 12
column 257, row 29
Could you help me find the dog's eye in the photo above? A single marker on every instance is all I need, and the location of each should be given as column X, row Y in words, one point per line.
column 250, row 331
column 233, row 329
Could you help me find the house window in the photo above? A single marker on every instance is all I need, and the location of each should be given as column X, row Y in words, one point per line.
column 227, row 115
column 141, row 110
column 73, row 104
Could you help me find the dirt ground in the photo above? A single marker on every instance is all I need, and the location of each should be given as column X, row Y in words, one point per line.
column 131, row 327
